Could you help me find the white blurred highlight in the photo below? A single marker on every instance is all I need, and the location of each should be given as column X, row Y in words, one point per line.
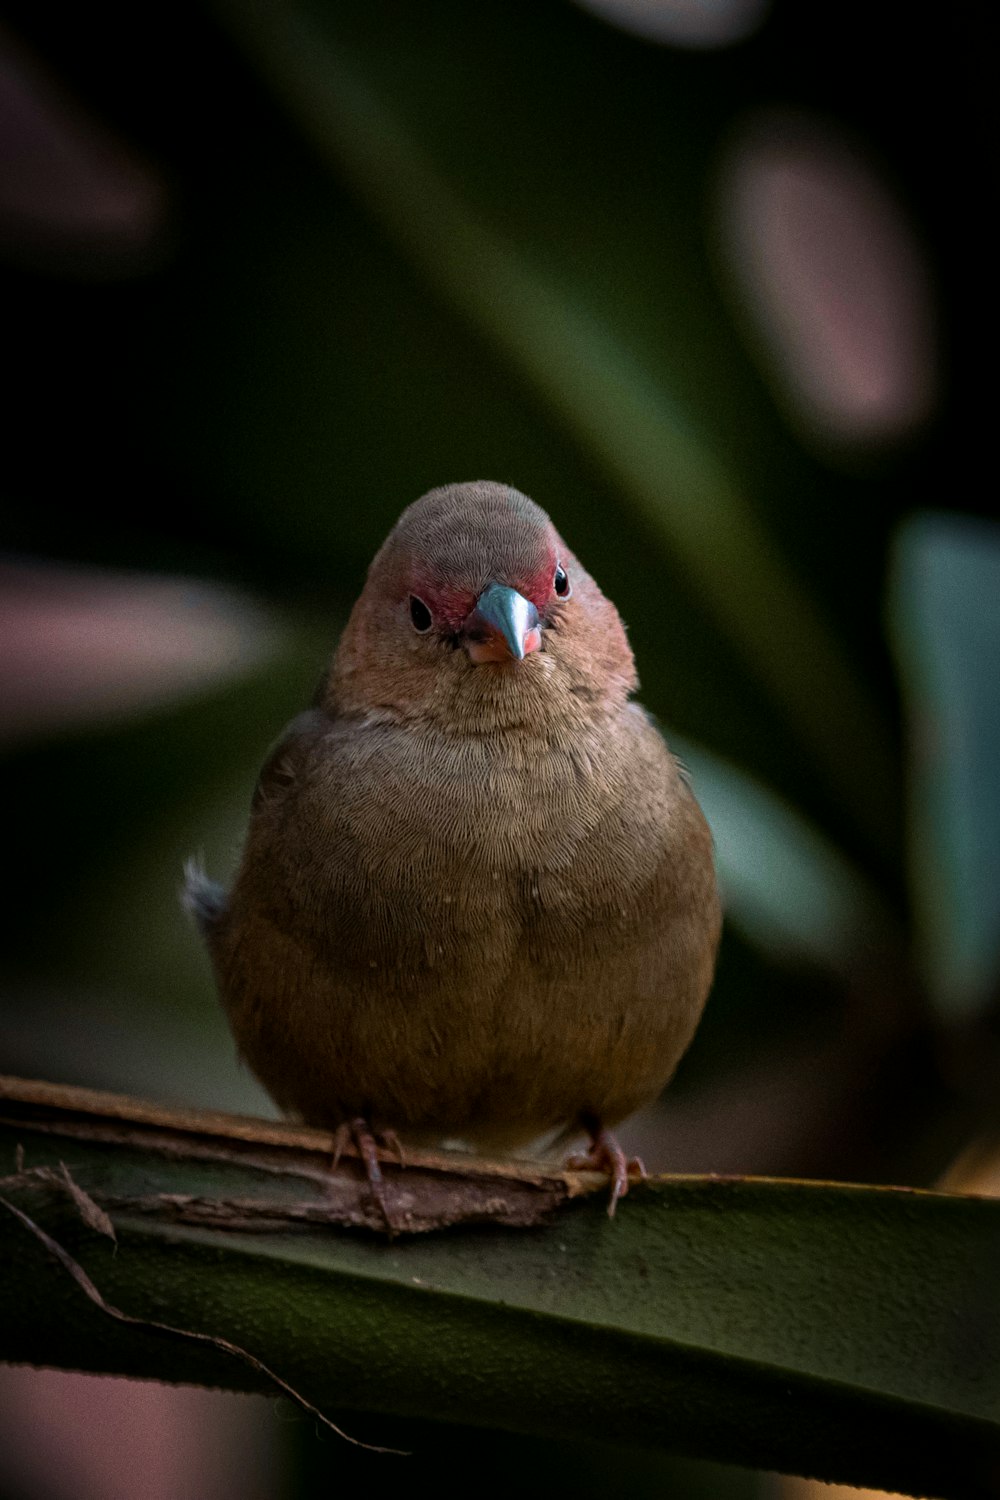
column 83, row 646
column 832, row 278
column 683, row 23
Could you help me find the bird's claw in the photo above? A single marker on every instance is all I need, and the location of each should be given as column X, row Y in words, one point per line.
column 366, row 1142
column 392, row 1142
column 605, row 1155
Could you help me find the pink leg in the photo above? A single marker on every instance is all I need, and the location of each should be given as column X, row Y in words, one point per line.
column 367, row 1146
column 605, row 1155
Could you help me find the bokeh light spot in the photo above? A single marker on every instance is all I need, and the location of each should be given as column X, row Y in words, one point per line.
column 831, row 279
column 684, row 23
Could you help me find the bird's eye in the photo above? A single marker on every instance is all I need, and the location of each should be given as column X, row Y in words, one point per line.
column 420, row 615
column 561, row 582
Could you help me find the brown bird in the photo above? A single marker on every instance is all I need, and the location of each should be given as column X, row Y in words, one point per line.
column 477, row 901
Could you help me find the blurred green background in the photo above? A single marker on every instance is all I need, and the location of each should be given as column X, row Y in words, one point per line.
column 705, row 280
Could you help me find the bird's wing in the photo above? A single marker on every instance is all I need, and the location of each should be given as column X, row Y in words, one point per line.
column 651, row 719
column 285, row 758
column 205, row 899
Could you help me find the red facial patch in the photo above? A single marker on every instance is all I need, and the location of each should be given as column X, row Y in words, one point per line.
column 451, row 604
column 538, row 588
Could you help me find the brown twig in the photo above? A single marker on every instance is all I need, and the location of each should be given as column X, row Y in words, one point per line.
column 436, row 1191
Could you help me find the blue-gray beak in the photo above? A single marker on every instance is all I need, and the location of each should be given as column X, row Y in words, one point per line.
column 502, row 612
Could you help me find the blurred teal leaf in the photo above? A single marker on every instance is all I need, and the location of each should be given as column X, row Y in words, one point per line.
column 945, row 620
column 786, row 886
column 379, row 124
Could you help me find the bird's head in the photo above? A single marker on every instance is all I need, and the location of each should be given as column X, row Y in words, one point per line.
column 476, row 613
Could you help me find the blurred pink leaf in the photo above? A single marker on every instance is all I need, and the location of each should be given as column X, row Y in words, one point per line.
column 684, row 23
column 71, row 193
column 832, row 278
column 83, row 646
column 71, row 1436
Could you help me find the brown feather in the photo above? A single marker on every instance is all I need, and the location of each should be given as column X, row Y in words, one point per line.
column 475, row 902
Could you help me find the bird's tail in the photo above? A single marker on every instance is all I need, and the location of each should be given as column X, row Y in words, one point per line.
column 204, row 898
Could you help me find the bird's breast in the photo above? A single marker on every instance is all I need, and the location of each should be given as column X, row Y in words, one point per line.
column 417, row 850
column 474, row 808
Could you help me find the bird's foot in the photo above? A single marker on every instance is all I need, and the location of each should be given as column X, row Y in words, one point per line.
column 605, row 1155
column 367, row 1142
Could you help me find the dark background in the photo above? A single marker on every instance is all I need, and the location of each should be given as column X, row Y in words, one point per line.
column 267, row 273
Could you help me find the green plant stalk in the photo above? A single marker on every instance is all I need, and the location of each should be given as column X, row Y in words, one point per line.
column 847, row 1332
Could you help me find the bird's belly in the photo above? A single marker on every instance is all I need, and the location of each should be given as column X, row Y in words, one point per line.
column 492, row 1017
column 466, row 959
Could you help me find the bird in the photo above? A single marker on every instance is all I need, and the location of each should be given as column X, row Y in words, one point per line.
column 476, row 905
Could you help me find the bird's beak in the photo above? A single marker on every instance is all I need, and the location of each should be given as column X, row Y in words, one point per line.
column 502, row 627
